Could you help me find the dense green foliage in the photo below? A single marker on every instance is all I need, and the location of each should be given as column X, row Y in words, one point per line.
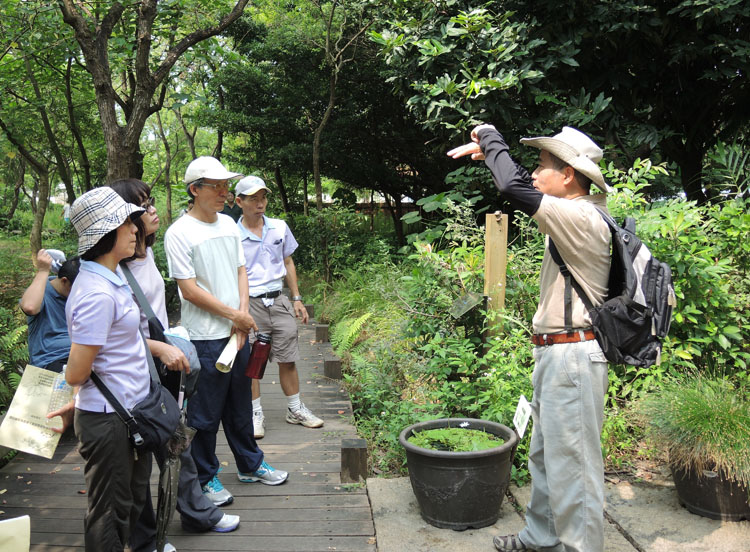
column 455, row 439
column 409, row 360
column 666, row 81
column 654, row 78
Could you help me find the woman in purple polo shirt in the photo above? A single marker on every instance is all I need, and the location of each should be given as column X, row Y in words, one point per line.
column 103, row 322
column 197, row 512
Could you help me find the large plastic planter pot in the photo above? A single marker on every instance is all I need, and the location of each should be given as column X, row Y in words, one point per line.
column 709, row 495
column 459, row 490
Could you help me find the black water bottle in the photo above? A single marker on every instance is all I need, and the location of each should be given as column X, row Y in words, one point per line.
column 256, row 365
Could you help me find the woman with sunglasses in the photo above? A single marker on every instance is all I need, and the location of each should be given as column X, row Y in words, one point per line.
column 197, row 512
column 103, row 324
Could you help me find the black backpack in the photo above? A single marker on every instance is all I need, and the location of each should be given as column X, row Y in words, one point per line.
column 637, row 311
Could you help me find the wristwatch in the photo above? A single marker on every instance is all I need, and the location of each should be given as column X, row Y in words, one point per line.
column 297, row 298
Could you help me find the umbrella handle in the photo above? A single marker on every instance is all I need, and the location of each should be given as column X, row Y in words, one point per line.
column 181, row 395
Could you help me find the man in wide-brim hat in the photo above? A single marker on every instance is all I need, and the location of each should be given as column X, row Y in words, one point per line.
column 566, row 509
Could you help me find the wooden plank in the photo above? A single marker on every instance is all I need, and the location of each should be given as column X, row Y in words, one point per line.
column 227, row 542
column 495, row 261
column 312, row 512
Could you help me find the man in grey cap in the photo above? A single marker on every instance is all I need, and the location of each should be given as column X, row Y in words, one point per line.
column 206, row 259
column 566, row 509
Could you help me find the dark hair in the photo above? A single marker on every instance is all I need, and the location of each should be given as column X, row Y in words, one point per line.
column 136, row 192
column 102, row 247
column 69, row 269
column 198, row 182
column 583, row 180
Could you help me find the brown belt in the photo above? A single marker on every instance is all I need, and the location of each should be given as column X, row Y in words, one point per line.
column 552, row 339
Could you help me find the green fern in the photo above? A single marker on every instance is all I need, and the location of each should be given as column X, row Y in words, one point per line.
column 346, row 332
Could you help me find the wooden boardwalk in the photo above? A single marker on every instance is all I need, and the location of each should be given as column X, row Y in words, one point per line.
column 312, row 511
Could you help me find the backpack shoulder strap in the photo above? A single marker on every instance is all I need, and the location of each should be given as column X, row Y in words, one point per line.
column 570, row 282
column 138, row 292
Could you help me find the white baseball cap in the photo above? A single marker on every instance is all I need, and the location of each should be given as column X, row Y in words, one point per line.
column 250, row 185
column 207, row 167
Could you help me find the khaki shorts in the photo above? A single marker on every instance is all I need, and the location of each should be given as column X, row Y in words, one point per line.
column 279, row 321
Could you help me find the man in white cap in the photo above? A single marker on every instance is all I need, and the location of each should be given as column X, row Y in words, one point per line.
column 268, row 244
column 205, row 257
column 566, row 509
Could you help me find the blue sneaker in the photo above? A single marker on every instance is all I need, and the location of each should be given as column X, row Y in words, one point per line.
column 265, row 474
column 216, row 492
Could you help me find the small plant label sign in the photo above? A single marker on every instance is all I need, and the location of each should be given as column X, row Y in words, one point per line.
column 521, row 417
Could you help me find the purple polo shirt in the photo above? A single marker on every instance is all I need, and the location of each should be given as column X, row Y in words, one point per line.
column 264, row 256
column 101, row 311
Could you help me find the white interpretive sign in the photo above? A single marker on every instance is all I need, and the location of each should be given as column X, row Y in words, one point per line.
column 522, row 415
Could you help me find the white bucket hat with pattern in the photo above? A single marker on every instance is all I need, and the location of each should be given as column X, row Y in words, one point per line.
column 576, row 149
column 98, row 212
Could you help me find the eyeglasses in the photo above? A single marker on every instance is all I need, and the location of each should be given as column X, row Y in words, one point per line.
column 148, row 202
column 218, row 187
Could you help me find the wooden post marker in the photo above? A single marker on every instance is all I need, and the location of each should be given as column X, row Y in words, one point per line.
column 321, row 333
column 353, row 460
column 310, row 308
column 495, row 261
column 332, row 367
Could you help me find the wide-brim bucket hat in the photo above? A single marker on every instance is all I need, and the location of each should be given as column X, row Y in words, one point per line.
column 207, row 167
column 98, row 212
column 577, row 150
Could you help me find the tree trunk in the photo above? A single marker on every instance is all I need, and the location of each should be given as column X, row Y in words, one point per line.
column 305, row 203
column 85, row 163
column 167, row 167
column 122, row 142
column 62, row 163
column 282, row 189
column 220, row 134
column 372, row 210
column 691, row 176
column 35, row 239
column 690, row 161
column 190, row 137
column 395, row 211
column 318, row 134
column 17, row 189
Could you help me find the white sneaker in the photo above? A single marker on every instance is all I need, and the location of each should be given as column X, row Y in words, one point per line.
column 259, row 424
column 227, row 524
column 167, row 548
column 303, row 416
column 216, row 492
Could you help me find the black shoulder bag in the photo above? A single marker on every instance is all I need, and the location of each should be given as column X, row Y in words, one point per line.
column 152, row 421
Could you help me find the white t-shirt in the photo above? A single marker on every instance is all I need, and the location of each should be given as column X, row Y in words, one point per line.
column 211, row 253
column 147, row 274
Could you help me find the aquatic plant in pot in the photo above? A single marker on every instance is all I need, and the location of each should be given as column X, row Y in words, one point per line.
column 704, row 425
column 458, row 490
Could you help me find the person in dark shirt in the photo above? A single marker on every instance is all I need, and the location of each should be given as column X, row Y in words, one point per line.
column 43, row 302
column 231, row 208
